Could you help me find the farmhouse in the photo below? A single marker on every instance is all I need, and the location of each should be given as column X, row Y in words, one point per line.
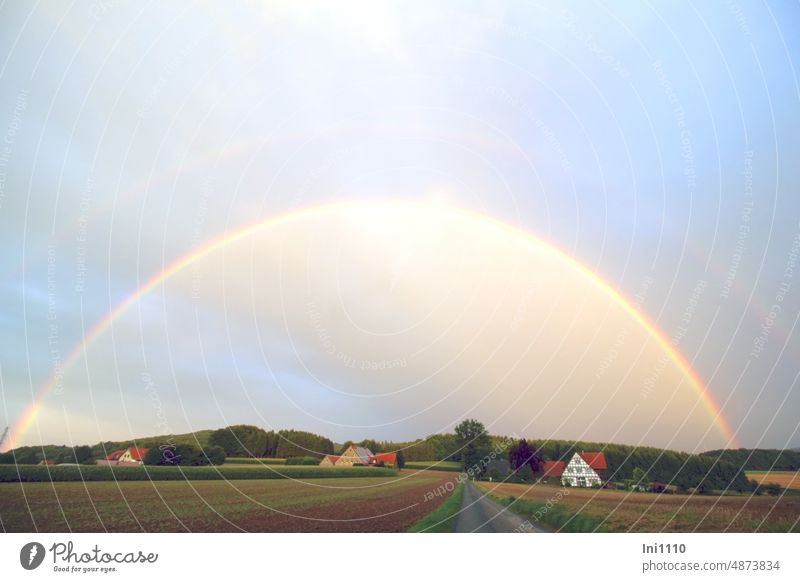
column 585, row 470
column 111, row 458
column 132, row 456
column 355, row 455
column 329, row 460
column 129, row 457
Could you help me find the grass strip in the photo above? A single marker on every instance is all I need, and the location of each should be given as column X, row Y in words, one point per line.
column 553, row 516
column 443, row 518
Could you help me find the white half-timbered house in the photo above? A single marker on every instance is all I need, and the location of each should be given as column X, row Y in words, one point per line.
column 585, row 470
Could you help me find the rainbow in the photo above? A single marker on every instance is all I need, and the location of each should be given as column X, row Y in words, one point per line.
column 28, row 417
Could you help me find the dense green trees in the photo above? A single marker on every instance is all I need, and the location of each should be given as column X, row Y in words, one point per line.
column 372, row 445
column 759, row 459
column 185, row 455
column 473, row 442
column 299, row 443
column 240, row 440
column 640, row 479
column 81, row 454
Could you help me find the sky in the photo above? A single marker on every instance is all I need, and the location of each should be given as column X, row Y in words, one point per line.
column 569, row 221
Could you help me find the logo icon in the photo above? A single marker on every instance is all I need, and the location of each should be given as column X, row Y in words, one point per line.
column 31, row 555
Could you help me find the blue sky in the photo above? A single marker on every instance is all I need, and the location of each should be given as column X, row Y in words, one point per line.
column 624, row 134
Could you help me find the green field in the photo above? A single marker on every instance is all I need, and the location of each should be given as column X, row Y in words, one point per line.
column 435, row 465
column 36, row 473
column 254, row 461
column 373, row 504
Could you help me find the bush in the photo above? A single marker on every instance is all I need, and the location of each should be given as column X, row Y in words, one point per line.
column 185, row 455
column 214, row 455
column 302, row 461
column 525, row 473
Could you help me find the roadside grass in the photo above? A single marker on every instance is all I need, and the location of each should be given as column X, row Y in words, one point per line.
column 443, row 518
column 44, row 473
column 554, row 516
column 453, row 466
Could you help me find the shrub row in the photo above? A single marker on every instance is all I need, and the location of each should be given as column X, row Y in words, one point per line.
column 255, row 461
column 36, row 473
column 434, row 466
column 302, row 461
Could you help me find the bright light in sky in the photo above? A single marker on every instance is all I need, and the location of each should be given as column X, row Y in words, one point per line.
column 652, row 146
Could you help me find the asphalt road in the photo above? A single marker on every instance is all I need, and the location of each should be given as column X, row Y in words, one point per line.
column 481, row 514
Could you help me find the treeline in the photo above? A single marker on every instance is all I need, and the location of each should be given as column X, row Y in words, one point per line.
column 56, row 453
column 661, row 465
column 244, row 440
column 760, row 459
column 438, row 447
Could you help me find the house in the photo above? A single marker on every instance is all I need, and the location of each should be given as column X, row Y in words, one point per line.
column 354, row 455
column 47, row 462
column 384, row 460
column 111, row 458
column 329, row 460
column 130, row 457
column 553, row 469
column 585, row 470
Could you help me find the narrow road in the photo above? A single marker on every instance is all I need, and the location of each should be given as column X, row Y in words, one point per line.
column 481, row 514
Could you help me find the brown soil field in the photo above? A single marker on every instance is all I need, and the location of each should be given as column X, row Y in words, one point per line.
column 786, row 479
column 381, row 504
column 621, row 511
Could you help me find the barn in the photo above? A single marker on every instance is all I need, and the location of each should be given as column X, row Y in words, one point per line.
column 384, row 460
column 585, row 470
column 553, row 469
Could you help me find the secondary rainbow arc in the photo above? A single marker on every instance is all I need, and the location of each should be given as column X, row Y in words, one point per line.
column 28, row 417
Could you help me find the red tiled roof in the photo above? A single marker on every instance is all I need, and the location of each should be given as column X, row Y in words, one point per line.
column 115, row 455
column 596, row 461
column 385, row 458
column 333, row 458
column 553, row 468
column 137, row 454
